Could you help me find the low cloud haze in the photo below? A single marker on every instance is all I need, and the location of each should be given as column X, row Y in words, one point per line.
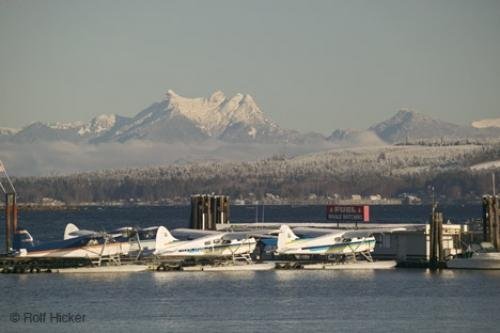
column 58, row 158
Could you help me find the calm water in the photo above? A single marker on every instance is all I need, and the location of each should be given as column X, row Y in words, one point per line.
column 279, row 301
column 286, row 301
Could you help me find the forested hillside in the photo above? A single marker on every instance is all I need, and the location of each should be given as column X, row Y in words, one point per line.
column 389, row 171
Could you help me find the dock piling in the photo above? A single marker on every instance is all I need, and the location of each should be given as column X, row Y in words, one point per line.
column 491, row 225
column 10, row 220
column 436, row 257
column 209, row 210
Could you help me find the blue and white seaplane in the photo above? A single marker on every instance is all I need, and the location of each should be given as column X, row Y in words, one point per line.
column 325, row 242
column 203, row 244
column 75, row 244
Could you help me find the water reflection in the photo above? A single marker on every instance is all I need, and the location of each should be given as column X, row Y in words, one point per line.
column 292, row 275
column 201, row 276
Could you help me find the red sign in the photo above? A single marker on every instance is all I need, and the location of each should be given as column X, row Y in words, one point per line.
column 348, row 213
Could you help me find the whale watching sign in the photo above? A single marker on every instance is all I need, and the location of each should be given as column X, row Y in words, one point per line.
column 348, row 213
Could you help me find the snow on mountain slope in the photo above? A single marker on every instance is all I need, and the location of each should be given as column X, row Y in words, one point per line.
column 65, row 126
column 216, row 113
column 71, row 132
column 486, row 123
column 181, row 119
column 8, row 131
column 40, row 132
column 409, row 124
column 98, row 124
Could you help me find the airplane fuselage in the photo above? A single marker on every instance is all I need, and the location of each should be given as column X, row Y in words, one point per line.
column 329, row 244
column 80, row 247
column 209, row 246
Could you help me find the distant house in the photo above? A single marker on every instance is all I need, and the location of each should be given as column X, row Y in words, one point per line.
column 356, row 197
column 375, row 197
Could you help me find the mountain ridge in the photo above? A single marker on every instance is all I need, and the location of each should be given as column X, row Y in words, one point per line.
column 238, row 119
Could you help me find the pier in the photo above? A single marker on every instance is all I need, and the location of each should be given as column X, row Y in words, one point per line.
column 428, row 245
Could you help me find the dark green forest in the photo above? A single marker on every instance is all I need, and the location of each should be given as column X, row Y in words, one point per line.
column 390, row 172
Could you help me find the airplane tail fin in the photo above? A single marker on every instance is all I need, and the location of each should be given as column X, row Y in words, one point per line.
column 285, row 236
column 70, row 227
column 163, row 237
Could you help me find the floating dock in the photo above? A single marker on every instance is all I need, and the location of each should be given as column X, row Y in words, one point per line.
column 103, row 269
column 231, row 268
column 384, row 264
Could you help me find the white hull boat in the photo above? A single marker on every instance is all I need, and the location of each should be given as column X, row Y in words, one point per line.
column 481, row 260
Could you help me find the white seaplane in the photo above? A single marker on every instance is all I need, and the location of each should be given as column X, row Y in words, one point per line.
column 76, row 243
column 325, row 242
column 205, row 245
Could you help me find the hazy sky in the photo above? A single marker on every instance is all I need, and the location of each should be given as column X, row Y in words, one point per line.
column 310, row 65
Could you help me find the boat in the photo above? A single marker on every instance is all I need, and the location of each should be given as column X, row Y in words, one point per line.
column 483, row 258
column 479, row 260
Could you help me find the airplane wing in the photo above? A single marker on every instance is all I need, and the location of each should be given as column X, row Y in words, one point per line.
column 317, row 232
column 123, row 231
column 369, row 232
column 304, row 232
column 184, row 233
column 83, row 232
column 246, row 235
column 149, row 228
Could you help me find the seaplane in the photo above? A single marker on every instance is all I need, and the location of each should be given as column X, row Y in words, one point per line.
column 76, row 243
column 325, row 242
column 203, row 244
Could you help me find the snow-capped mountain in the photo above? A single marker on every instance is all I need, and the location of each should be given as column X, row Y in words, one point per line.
column 411, row 125
column 486, row 123
column 238, row 119
column 180, row 119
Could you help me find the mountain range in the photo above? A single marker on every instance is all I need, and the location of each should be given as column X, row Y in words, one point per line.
column 179, row 130
column 237, row 119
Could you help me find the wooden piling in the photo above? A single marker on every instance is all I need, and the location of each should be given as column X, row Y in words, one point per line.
column 491, row 224
column 436, row 255
column 208, row 210
column 495, row 222
column 10, row 220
